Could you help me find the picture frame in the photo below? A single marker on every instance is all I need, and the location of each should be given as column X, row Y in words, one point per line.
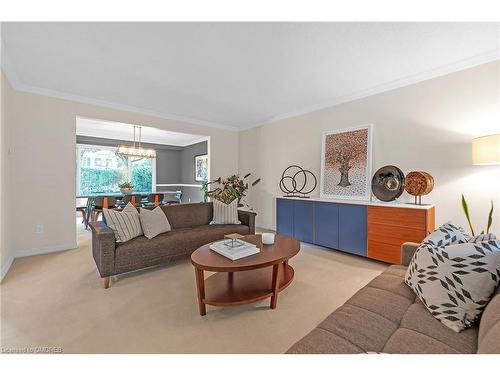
column 346, row 163
column 201, row 167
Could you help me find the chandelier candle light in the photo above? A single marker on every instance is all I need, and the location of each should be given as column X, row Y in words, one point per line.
column 136, row 150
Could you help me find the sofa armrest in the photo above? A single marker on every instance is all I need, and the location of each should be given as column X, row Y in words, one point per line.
column 247, row 218
column 407, row 251
column 103, row 248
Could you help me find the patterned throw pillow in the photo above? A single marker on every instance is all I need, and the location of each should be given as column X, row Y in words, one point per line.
column 455, row 282
column 482, row 237
column 446, row 234
column 125, row 224
column 225, row 213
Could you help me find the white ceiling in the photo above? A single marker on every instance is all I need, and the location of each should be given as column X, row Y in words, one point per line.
column 235, row 75
column 125, row 132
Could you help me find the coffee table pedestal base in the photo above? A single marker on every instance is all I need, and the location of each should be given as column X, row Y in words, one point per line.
column 237, row 288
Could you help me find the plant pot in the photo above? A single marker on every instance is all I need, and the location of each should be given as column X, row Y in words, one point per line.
column 126, row 190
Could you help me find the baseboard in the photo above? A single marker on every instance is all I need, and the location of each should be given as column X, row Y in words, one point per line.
column 36, row 251
column 5, row 267
column 45, row 250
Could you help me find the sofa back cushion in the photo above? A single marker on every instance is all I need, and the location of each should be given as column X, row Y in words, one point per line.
column 188, row 215
column 489, row 327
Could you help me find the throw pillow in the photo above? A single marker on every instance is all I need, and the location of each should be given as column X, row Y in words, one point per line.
column 225, row 213
column 154, row 222
column 446, row 234
column 125, row 224
column 455, row 282
column 482, row 237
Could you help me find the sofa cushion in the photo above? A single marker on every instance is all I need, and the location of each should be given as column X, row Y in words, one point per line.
column 418, row 319
column 446, row 234
column 482, row 237
column 153, row 222
column 455, row 282
column 396, row 270
column 406, row 341
column 489, row 327
column 188, row 215
column 382, row 302
column 319, row 341
column 365, row 329
column 142, row 252
column 394, row 284
column 225, row 213
column 125, row 224
column 385, row 317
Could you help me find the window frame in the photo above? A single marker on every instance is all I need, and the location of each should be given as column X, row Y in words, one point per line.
column 80, row 146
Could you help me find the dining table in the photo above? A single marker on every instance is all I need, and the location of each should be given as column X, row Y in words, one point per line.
column 119, row 195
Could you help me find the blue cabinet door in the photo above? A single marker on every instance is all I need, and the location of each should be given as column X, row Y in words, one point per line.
column 352, row 228
column 303, row 221
column 326, row 228
column 284, row 216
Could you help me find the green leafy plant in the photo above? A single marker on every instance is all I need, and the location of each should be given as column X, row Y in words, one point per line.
column 126, row 185
column 204, row 188
column 465, row 208
column 228, row 189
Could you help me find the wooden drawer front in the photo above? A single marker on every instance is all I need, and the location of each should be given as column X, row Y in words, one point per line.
column 394, row 235
column 401, row 217
column 388, row 253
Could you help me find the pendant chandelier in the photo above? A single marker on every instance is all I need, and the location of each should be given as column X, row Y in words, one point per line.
column 136, row 150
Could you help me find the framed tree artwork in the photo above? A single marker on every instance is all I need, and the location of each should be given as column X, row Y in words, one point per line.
column 346, row 163
column 201, row 167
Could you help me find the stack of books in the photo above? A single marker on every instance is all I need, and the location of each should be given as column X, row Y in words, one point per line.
column 234, row 252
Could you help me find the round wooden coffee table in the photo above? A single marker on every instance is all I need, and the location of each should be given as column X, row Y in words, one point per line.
column 244, row 280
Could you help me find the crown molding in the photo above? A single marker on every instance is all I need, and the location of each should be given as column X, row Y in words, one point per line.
column 18, row 85
column 483, row 58
column 392, row 85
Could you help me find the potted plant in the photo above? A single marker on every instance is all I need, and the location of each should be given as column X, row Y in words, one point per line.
column 465, row 208
column 229, row 189
column 126, row 187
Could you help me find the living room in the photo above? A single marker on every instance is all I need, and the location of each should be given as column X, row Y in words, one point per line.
column 250, row 188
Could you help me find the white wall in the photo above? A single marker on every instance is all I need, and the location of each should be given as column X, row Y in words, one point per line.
column 42, row 165
column 426, row 126
column 5, row 253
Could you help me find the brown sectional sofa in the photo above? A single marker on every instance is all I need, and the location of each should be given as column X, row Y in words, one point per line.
column 387, row 317
column 190, row 230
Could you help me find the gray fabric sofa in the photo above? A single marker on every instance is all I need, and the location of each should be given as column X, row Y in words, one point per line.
column 190, row 230
column 387, row 317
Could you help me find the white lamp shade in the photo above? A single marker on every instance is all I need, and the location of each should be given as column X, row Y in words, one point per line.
column 486, row 150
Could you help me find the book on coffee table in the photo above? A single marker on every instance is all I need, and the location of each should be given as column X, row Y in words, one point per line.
column 244, row 250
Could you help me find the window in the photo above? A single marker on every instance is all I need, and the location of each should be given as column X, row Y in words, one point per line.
column 100, row 170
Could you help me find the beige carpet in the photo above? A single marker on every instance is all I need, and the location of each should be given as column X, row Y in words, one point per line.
column 58, row 300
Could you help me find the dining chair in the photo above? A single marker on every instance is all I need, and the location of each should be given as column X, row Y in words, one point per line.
column 155, row 199
column 100, row 203
column 135, row 199
column 82, row 208
column 178, row 196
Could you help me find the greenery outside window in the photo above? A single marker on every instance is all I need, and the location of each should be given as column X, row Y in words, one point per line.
column 100, row 170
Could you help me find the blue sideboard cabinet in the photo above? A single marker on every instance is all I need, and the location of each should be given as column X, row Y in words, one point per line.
column 334, row 225
column 303, row 221
column 326, row 228
column 370, row 229
column 284, row 216
column 353, row 229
